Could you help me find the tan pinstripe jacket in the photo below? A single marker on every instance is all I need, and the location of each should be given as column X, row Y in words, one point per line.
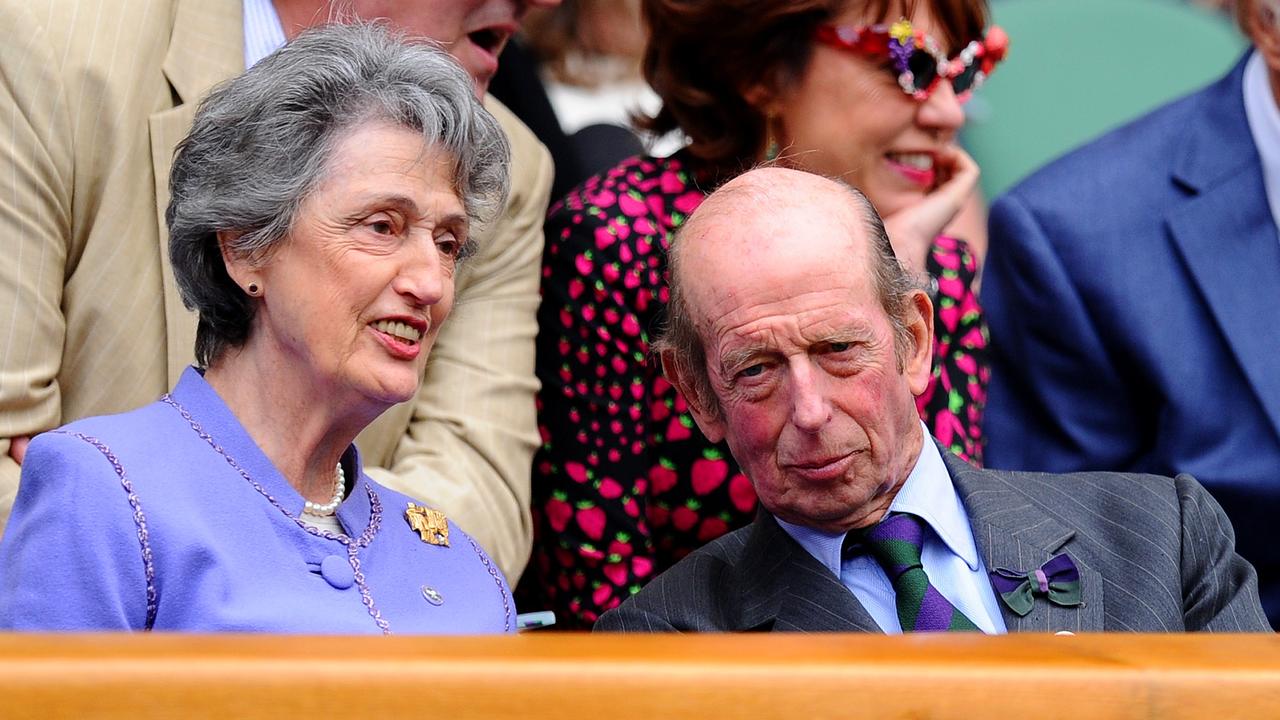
column 94, row 95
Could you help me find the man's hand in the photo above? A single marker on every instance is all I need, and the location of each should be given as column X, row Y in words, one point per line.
column 912, row 229
column 18, row 448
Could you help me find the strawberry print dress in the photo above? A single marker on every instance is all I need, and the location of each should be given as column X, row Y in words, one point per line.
column 624, row 484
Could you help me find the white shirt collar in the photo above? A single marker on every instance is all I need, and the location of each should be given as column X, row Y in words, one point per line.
column 263, row 33
column 1264, row 125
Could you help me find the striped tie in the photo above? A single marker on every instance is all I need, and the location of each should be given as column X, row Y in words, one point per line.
column 895, row 543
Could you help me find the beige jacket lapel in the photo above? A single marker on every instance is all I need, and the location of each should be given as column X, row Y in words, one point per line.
column 207, row 47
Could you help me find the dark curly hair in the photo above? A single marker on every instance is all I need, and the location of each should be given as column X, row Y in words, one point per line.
column 704, row 56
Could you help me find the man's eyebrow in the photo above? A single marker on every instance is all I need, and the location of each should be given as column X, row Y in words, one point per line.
column 847, row 330
column 847, row 336
column 736, row 357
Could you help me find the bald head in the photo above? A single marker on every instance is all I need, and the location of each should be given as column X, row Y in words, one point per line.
column 772, row 213
column 783, row 189
column 772, row 229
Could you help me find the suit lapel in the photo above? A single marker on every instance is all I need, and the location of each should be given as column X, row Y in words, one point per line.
column 207, row 47
column 785, row 588
column 1011, row 532
column 1227, row 237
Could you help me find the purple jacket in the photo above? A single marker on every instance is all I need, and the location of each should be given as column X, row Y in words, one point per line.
column 137, row 521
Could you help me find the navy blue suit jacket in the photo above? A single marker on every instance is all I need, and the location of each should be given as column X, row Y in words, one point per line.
column 1130, row 290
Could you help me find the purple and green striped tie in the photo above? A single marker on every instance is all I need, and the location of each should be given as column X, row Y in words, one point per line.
column 895, row 543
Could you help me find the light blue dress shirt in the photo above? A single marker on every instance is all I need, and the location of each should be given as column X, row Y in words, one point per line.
column 950, row 555
column 263, row 33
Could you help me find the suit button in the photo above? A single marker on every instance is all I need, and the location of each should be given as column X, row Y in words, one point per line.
column 336, row 570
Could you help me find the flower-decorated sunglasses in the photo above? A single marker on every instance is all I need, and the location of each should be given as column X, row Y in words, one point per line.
column 916, row 59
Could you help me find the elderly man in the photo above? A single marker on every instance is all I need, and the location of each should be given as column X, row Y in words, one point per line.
column 797, row 337
column 94, row 95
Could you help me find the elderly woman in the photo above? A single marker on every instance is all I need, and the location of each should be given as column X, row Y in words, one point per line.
column 319, row 208
column 869, row 91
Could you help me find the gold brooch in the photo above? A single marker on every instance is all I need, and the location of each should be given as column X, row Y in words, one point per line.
column 430, row 523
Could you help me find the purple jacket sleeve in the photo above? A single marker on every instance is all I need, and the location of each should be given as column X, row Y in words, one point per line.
column 72, row 554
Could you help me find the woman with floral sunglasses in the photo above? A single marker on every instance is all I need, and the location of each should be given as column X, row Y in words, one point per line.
column 869, row 91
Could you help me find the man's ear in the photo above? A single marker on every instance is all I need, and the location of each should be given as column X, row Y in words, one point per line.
column 243, row 272
column 705, row 411
column 918, row 361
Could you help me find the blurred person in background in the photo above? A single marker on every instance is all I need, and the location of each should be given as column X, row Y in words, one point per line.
column 320, row 208
column 591, row 53
column 95, row 96
column 573, row 76
column 870, row 92
column 1128, row 287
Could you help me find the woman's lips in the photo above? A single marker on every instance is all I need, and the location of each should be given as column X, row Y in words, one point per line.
column 399, row 348
column 916, row 168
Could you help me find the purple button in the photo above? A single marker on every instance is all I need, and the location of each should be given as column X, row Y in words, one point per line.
column 337, row 572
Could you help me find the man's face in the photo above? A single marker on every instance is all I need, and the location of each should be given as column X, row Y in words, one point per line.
column 473, row 31
column 801, row 358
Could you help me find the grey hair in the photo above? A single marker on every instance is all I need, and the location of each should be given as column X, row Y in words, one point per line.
column 262, row 142
column 681, row 340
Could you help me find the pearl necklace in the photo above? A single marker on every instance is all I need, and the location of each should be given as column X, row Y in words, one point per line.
column 339, row 492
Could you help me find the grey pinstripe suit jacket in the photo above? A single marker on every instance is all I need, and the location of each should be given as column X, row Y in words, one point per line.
column 1155, row 555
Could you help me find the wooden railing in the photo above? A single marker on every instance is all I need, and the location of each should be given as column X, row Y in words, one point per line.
column 546, row 675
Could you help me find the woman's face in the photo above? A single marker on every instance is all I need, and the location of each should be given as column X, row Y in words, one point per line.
column 848, row 118
column 357, row 293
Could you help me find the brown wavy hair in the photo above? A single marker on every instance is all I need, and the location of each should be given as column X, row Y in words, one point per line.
column 704, row 56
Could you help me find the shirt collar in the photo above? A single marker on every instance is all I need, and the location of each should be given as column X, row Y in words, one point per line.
column 927, row 493
column 1264, row 125
column 263, row 33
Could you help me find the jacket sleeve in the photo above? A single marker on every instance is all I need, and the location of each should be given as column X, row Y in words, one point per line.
column 35, row 232
column 630, row 618
column 1058, row 401
column 691, row 596
column 1219, row 588
column 469, row 445
column 72, row 557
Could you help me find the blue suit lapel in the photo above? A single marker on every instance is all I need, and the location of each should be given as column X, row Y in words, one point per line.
column 1226, row 236
column 1012, row 532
